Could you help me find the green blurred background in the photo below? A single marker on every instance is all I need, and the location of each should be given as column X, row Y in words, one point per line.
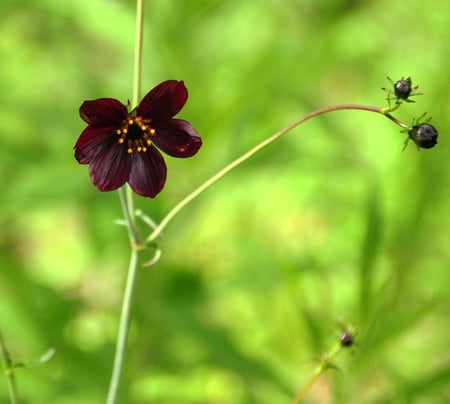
column 331, row 223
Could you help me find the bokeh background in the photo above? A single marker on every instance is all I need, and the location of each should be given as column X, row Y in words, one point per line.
column 330, row 224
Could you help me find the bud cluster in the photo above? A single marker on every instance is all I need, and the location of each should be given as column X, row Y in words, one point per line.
column 422, row 133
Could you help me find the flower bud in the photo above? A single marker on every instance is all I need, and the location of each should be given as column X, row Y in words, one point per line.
column 346, row 339
column 402, row 88
column 423, row 135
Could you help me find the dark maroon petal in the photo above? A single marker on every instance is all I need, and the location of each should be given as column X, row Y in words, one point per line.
column 111, row 169
column 103, row 112
column 92, row 142
column 177, row 138
column 164, row 101
column 148, row 173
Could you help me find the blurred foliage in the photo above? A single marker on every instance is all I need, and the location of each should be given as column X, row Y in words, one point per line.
column 331, row 223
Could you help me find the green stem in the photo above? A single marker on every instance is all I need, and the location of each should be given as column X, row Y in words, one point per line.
column 127, row 202
column 138, row 52
column 166, row 220
column 124, row 326
column 321, row 368
column 8, row 368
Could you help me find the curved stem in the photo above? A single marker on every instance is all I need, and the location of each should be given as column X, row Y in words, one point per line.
column 165, row 221
column 127, row 201
column 395, row 120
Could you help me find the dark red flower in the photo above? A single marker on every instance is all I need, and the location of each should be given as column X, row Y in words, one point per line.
column 119, row 146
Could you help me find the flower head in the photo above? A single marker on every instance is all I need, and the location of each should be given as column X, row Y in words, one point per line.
column 122, row 146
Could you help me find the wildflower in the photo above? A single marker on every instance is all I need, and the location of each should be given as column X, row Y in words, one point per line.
column 122, row 146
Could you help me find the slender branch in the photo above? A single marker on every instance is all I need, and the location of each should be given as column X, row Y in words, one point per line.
column 166, row 220
column 8, row 368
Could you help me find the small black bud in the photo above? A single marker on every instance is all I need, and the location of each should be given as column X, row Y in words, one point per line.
column 423, row 135
column 346, row 339
column 402, row 88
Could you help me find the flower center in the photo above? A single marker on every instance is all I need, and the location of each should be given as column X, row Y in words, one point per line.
column 136, row 133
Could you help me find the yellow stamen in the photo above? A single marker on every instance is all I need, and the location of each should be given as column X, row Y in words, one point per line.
column 136, row 132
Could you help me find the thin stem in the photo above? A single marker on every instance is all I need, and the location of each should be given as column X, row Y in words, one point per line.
column 127, row 201
column 8, row 368
column 395, row 120
column 138, row 52
column 166, row 220
column 124, row 326
column 321, row 368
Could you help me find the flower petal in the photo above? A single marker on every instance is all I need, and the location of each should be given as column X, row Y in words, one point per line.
column 177, row 138
column 148, row 173
column 164, row 101
column 92, row 142
column 111, row 169
column 103, row 112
